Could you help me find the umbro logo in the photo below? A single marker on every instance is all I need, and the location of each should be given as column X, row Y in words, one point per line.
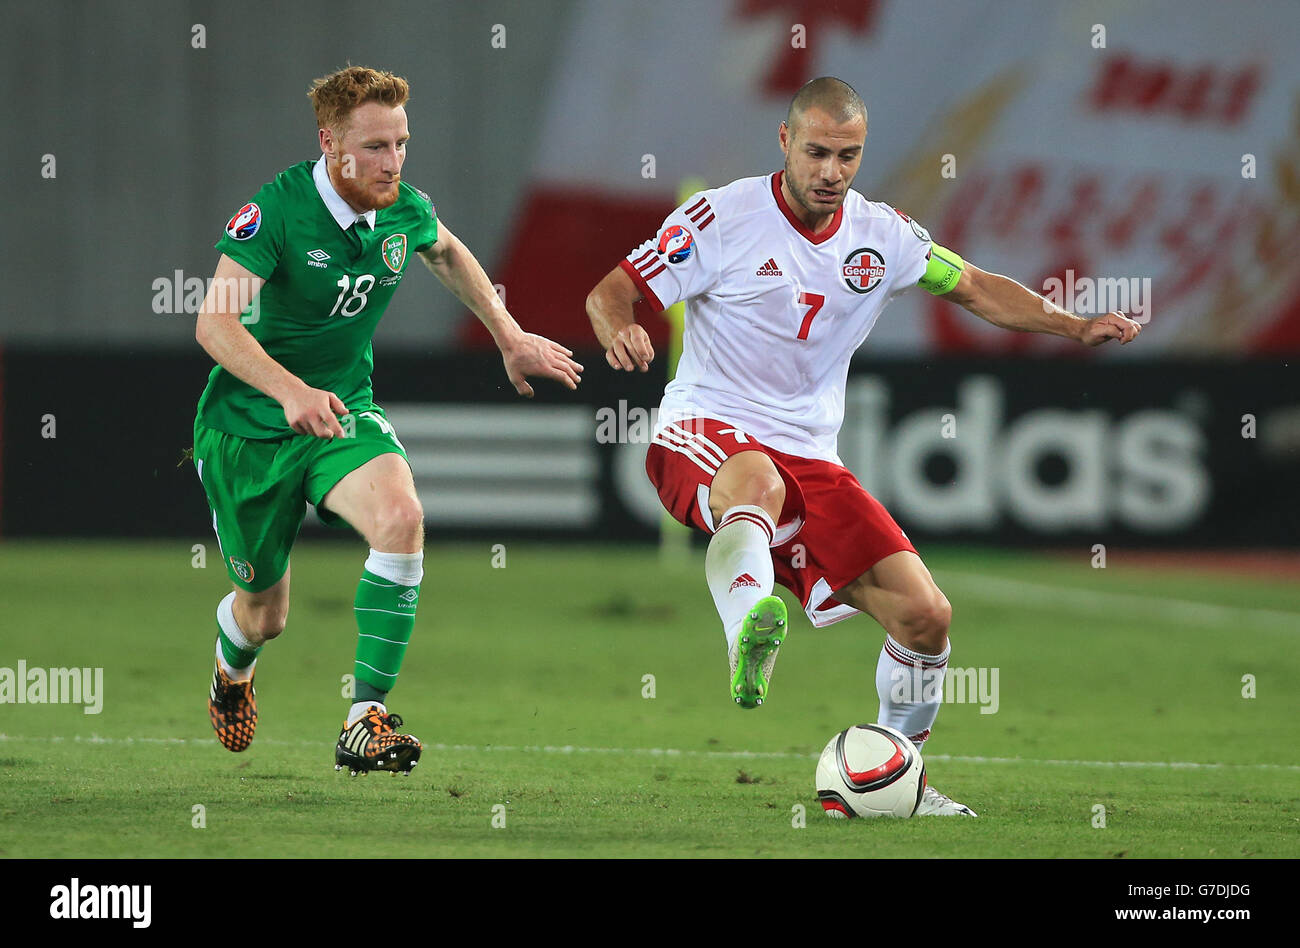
column 769, row 269
column 317, row 258
column 409, row 596
column 744, row 579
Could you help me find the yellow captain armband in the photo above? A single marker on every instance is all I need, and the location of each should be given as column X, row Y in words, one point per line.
column 942, row 270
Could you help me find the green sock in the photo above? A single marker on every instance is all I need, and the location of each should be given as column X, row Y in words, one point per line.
column 235, row 656
column 385, row 614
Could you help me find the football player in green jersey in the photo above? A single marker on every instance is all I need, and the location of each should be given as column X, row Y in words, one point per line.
column 306, row 270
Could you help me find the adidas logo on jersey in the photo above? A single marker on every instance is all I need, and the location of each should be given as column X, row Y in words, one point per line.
column 769, row 269
column 744, row 579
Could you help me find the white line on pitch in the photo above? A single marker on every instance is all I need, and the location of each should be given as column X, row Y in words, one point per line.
column 1104, row 602
column 676, row 752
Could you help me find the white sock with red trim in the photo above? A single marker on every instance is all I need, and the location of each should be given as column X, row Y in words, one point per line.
column 910, row 686
column 738, row 565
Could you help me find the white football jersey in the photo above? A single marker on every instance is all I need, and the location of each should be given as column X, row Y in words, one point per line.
column 774, row 313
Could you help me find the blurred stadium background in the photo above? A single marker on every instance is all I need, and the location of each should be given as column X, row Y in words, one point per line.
column 553, row 136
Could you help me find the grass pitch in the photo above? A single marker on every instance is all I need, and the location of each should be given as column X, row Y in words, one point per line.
column 1117, row 689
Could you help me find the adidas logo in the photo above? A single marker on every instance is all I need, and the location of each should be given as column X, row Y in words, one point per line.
column 769, row 269
column 744, row 579
column 355, row 739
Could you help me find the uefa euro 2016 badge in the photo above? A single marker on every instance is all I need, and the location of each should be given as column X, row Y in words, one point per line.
column 676, row 243
column 245, row 222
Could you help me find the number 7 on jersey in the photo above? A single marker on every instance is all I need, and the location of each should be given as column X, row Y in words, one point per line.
column 814, row 301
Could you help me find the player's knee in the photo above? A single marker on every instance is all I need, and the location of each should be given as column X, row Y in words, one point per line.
column 924, row 622
column 763, row 489
column 267, row 623
column 400, row 523
column 262, row 616
column 770, row 491
column 272, row 628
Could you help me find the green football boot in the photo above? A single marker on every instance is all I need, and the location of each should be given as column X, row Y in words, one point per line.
column 754, row 653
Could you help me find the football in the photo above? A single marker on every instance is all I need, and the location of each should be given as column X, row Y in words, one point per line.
column 870, row 770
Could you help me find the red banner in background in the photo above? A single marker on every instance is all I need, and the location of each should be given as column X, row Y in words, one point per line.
column 565, row 241
column 1152, row 160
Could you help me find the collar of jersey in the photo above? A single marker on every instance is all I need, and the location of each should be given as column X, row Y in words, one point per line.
column 797, row 224
column 339, row 209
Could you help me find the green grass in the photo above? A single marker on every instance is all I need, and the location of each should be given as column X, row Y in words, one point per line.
column 526, row 684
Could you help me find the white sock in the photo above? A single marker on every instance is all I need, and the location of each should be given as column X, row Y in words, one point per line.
column 226, row 619
column 405, row 569
column 738, row 565
column 910, row 686
column 361, row 707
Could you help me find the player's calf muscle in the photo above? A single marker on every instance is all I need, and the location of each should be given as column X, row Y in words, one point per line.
column 917, row 617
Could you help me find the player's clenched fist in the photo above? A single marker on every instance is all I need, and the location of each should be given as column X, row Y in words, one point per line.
column 1114, row 325
column 315, row 411
column 631, row 349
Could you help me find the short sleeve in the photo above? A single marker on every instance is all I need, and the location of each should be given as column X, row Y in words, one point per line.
column 254, row 236
column 683, row 259
column 914, row 252
column 427, row 235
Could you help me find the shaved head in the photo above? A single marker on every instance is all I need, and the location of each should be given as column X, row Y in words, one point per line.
column 830, row 95
column 822, row 139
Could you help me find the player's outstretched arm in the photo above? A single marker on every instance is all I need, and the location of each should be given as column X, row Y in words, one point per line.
column 1006, row 303
column 609, row 307
column 524, row 353
column 221, row 332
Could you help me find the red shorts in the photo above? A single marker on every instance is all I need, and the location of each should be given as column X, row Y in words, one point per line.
column 830, row 532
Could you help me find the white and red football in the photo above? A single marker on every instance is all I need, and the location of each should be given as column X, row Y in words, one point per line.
column 870, row 770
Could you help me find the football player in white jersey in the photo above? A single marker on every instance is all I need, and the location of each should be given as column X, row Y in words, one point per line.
column 783, row 277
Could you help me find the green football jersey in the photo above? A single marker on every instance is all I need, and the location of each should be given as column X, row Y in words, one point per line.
column 326, row 289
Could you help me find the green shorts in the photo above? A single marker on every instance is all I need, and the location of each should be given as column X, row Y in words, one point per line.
column 258, row 490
